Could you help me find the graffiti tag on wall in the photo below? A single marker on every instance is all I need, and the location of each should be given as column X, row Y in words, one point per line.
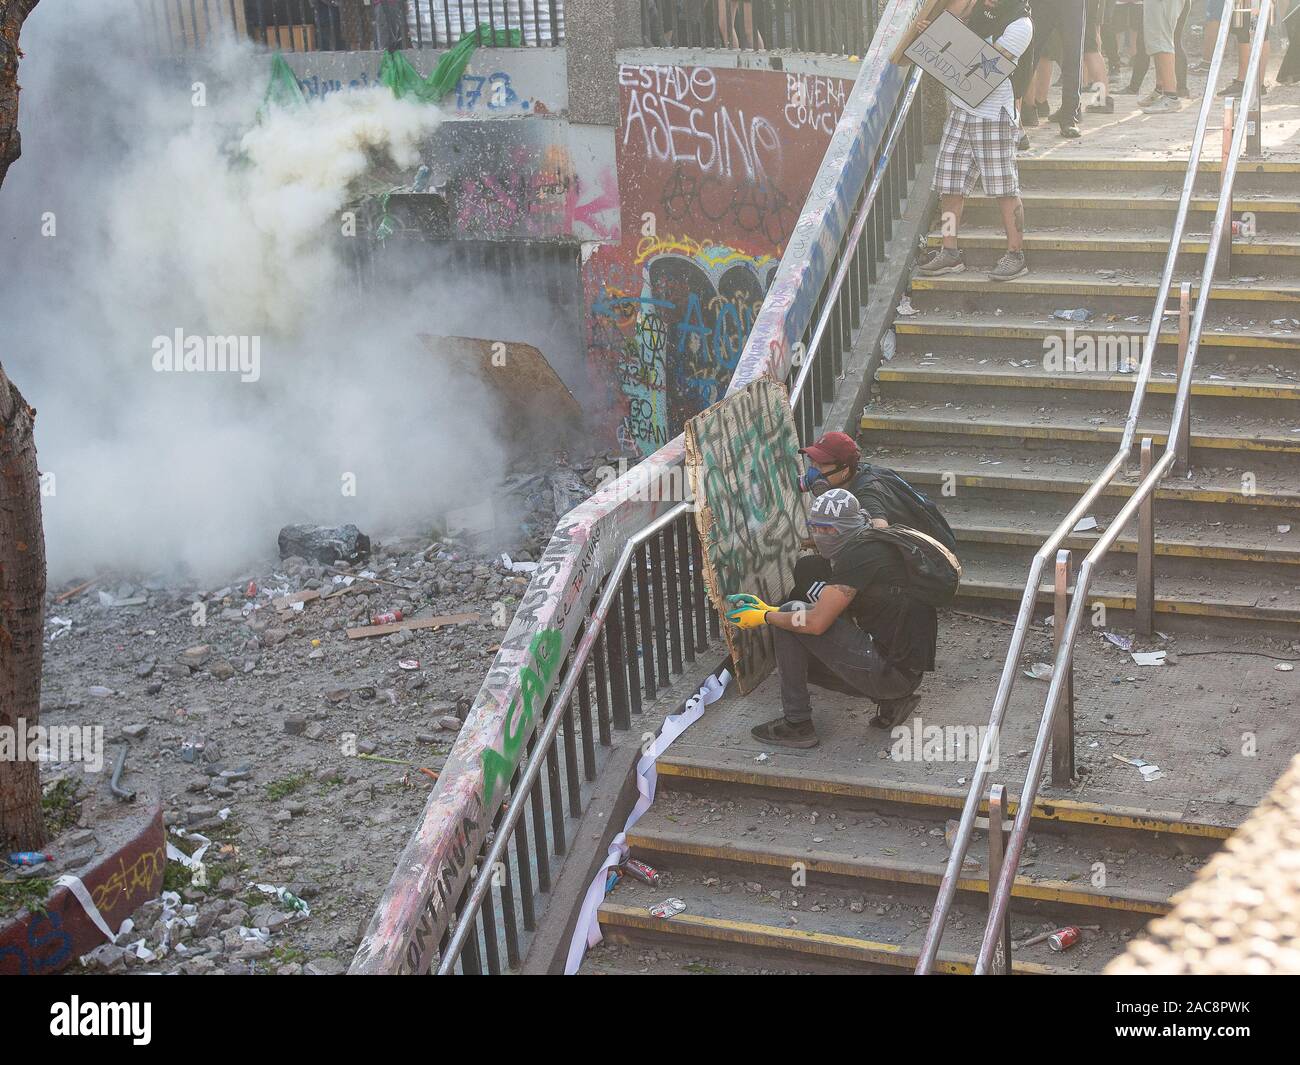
column 713, row 166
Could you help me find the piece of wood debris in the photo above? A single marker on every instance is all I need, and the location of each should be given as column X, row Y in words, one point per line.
column 438, row 622
column 284, row 602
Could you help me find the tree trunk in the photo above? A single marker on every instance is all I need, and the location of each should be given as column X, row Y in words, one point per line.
column 22, row 543
column 22, row 616
column 12, row 15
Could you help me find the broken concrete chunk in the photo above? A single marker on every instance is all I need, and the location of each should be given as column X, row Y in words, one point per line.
column 345, row 543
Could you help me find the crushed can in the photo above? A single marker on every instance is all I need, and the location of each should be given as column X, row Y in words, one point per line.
column 387, row 617
column 646, row 874
column 1064, row 938
column 667, row 908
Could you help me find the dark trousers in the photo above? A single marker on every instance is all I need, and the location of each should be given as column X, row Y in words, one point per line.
column 1063, row 17
column 843, row 659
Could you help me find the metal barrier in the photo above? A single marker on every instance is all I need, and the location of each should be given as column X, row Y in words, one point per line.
column 832, row 27
column 616, row 607
column 1055, row 726
column 171, row 26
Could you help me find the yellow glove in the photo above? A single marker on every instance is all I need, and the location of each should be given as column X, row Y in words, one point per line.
column 747, row 611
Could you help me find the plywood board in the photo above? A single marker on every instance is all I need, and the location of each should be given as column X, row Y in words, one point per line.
column 960, row 60
column 742, row 455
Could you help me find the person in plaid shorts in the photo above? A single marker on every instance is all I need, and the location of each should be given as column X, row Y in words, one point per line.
column 980, row 142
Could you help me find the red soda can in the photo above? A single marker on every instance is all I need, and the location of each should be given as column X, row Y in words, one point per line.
column 643, row 872
column 251, row 591
column 1064, row 938
column 386, row 618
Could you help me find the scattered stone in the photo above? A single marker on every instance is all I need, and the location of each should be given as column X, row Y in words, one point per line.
column 324, row 967
column 135, row 731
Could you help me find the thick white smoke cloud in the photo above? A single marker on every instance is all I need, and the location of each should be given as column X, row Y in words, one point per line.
column 167, row 216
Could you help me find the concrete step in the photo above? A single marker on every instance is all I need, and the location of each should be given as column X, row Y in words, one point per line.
column 1149, row 206
column 990, row 520
column 1113, row 176
column 1067, row 247
column 1064, row 473
column 1257, row 301
column 1269, row 346
column 1265, row 444
column 1212, row 378
column 1218, row 593
column 819, row 869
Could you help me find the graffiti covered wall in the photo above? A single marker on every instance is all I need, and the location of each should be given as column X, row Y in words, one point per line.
column 713, row 166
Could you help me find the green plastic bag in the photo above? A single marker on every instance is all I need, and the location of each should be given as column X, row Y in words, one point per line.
column 398, row 74
column 283, row 89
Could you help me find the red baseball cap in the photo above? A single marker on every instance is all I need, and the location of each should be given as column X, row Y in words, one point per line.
column 833, row 448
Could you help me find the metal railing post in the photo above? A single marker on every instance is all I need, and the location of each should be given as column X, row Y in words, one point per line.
column 1223, row 265
column 997, row 853
column 1063, row 725
column 1183, row 444
column 1146, row 576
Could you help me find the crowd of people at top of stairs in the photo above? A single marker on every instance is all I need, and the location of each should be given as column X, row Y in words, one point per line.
column 1090, row 41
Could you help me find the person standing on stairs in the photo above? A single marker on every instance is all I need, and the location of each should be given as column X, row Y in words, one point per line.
column 1065, row 18
column 865, row 635
column 981, row 141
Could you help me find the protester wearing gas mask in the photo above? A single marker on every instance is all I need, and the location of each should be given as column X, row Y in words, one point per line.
column 866, row 633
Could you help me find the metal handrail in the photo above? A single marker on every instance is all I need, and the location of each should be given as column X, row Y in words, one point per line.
column 469, row 911
column 855, row 235
column 465, row 924
column 980, row 777
column 1064, row 659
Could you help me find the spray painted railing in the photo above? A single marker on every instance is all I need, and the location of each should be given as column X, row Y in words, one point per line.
column 171, row 26
column 1056, row 723
column 601, row 601
column 831, row 27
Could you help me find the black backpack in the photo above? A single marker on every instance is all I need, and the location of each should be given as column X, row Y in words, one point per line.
column 933, row 572
column 878, row 488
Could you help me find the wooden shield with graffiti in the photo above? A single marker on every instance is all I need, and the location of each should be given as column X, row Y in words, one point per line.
column 743, row 458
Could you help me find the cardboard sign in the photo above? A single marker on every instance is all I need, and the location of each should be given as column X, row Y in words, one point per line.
column 928, row 12
column 743, row 461
column 960, row 60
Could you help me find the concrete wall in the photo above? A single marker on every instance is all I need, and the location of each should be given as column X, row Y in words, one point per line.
column 714, row 163
column 497, row 83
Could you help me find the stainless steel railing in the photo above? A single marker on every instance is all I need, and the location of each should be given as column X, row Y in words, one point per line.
column 1141, row 497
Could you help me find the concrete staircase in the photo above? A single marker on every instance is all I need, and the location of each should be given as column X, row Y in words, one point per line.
column 824, row 871
column 967, row 402
column 818, row 872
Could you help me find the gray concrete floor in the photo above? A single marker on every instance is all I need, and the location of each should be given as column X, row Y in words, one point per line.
column 1221, row 726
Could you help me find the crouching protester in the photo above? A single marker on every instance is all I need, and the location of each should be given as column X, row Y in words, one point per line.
column 873, row 627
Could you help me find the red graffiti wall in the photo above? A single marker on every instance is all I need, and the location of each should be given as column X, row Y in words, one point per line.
column 713, row 168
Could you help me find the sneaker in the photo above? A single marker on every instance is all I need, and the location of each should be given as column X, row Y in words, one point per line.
column 1022, row 145
column 1108, row 108
column 1163, row 105
column 785, row 733
column 1071, row 131
column 891, row 712
column 1235, row 88
column 1149, row 98
column 1010, row 266
column 944, row 261
column 1029, row 116
column 1045, row 110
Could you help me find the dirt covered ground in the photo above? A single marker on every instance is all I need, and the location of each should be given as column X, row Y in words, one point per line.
column 298, row 752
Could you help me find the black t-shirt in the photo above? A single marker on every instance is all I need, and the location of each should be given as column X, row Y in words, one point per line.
column 905, row 631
